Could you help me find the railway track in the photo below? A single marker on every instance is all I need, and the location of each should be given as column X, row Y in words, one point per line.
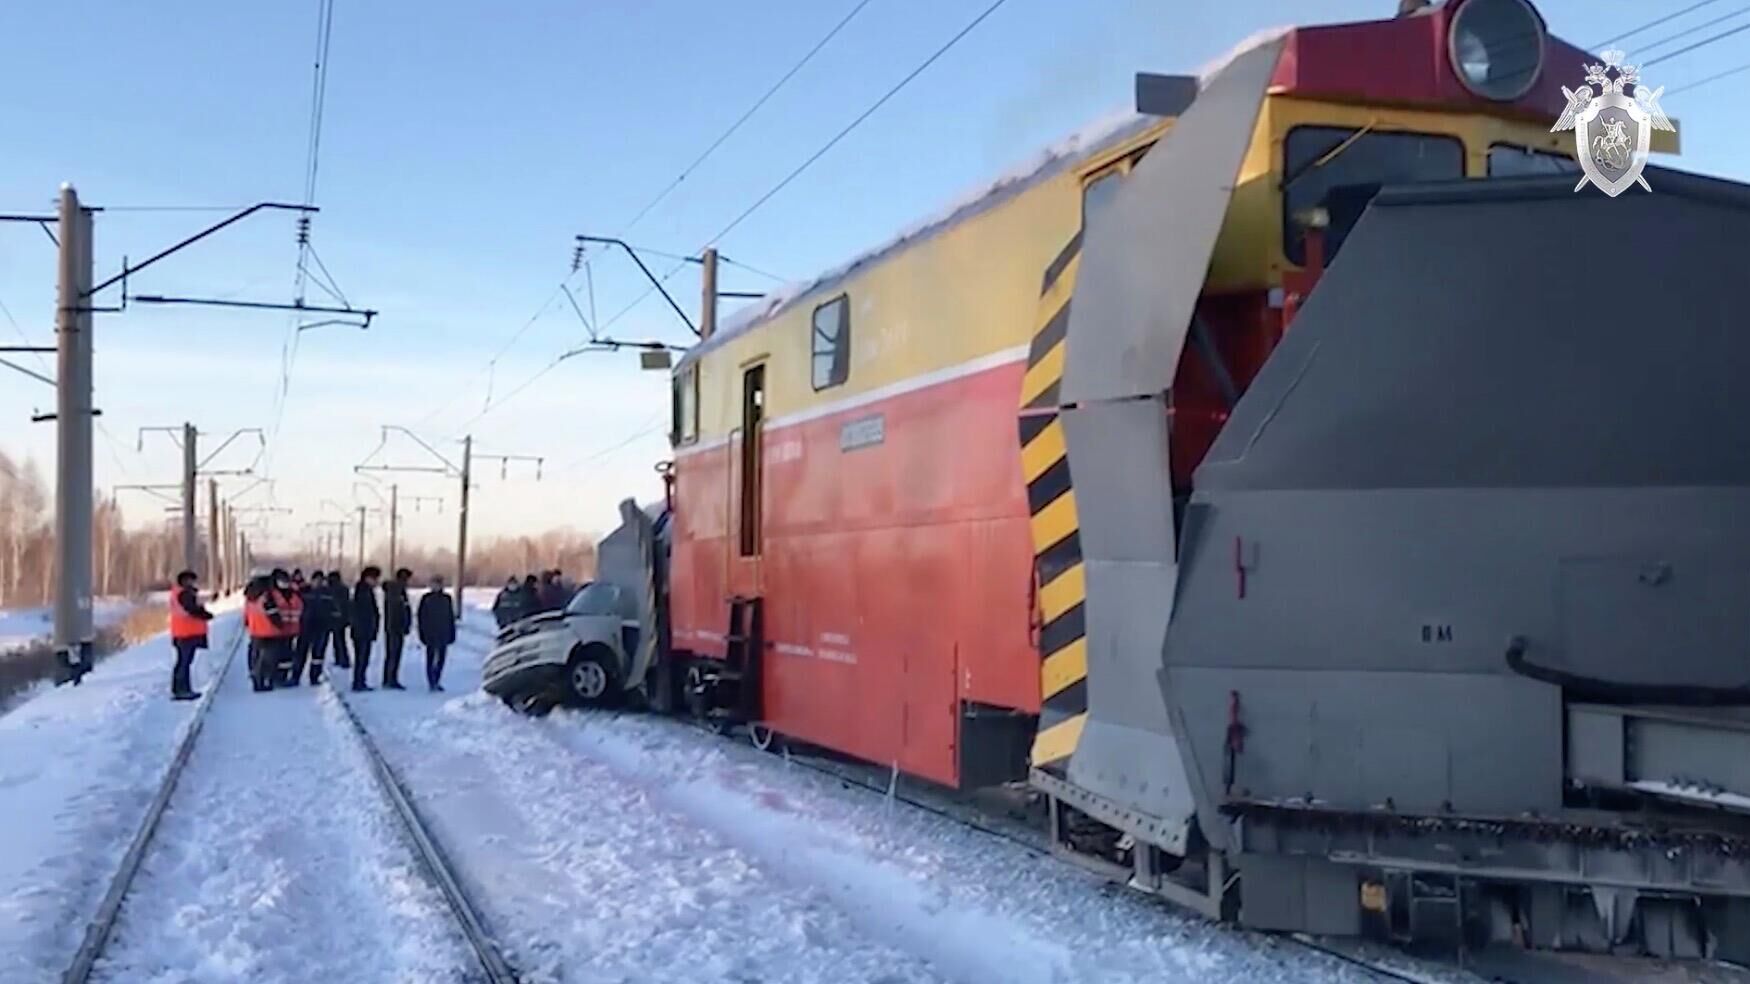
column 849, row 775
column 492, row 966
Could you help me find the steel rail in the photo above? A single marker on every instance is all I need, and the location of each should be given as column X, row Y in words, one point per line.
column 98, row 931
column 431, row 853
column 891, row 791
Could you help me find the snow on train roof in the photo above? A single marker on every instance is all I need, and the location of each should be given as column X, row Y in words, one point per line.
column 1107, row 131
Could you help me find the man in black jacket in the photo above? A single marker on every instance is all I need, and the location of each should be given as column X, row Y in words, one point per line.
column 365, row 622
column 188, row 632
column 509, row 605
column 341, row 601
column 397, row 623
column 437, row 629
column 314, row 628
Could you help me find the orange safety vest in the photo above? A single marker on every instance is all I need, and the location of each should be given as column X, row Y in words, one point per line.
column 291, row 613
column 256, row 620
column 182, row 624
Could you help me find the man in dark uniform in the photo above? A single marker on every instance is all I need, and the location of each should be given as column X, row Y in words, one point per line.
column 397, row 623
column 437, row 629
column 366, row 620
column 188, row 632
column 314, row 628
column 342, row 608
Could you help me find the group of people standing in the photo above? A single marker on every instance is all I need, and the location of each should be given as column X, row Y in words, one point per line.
column 519, row 599
column 292, row 621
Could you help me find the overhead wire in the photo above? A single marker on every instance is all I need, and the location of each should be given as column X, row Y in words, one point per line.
column 490, row 367
column 1698, row 83
column 895, row 89
column 1686, row 32
column 864, row 115
column 1656, row 22
column 312, row 164
column 1699, row 44
column 745, row 116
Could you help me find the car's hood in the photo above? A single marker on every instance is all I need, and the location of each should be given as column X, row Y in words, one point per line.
column 543, row 622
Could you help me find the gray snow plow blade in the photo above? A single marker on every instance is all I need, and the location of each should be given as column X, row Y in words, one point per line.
column 1143, row 266
column 1496, row 475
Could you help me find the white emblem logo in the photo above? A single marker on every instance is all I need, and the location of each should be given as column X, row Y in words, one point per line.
column 1613, row 132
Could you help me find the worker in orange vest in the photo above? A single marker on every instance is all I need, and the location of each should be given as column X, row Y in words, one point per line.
column 188, row 632
column 271, row 627
column 291, row 627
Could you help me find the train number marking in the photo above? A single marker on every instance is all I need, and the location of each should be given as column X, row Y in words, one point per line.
column 1434, row 633
column 862, row 433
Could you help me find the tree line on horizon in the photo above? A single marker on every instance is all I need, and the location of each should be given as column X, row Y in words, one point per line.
column 491, row 560
column 130, row 562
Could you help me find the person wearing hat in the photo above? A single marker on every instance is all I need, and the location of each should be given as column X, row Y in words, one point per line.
column 271, row 626
column 437, row 631
column 365, row 623
column 397, row 623
column 188, row 632
column 341, row 600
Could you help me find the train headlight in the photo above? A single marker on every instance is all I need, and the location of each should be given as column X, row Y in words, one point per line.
column 1496, row 47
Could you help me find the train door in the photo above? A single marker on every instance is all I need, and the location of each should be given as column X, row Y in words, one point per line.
column 748, row 463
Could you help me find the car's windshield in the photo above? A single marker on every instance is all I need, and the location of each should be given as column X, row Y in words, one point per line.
column 595, row 599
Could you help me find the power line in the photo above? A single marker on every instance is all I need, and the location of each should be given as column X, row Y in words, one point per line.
column 935, row 56
column 1680, row 35
column 318, row 101
column 1655, row 23
column 830, row 144
column 726, row 134
column 1699, row 44
column 1698, row 83
column 19, row 331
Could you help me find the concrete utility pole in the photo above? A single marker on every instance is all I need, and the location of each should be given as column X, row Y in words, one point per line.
column 215, row 536
column 189, row 464
column 462, row 523
column 73, row 423
column 394, row 521
column 708, row 287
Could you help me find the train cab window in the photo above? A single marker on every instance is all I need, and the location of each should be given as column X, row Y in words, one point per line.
column 1509, row 161
column 832, row 342
column 686, row 405
column 1318, row 160
column 1099, row 192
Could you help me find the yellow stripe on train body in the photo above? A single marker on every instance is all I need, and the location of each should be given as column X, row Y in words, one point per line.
column 1054, row 522
column 1064, row 668
column 1065, row 591
column 1042, row 374
column 1046, row 449
column 1058, row 741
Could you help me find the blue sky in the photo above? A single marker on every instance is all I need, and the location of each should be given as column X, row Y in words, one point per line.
column 464, row 144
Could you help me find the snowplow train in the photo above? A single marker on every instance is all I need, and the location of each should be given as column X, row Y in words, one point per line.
column 1335, row 517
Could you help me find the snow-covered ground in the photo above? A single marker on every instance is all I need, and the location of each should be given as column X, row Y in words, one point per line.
column 20, row 627
column 78, row 765
column 598, row 848
column 628, row 848
column 278, row 860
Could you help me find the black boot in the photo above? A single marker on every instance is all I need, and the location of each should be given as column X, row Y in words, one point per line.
column 186, row 695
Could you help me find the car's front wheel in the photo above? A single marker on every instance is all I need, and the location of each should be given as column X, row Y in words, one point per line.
column 592, row 676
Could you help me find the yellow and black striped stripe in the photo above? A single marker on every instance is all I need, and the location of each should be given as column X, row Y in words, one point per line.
column 1057, row 549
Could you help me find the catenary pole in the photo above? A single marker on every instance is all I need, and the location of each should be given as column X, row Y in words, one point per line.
column 362, row 538
column 214, row 535
column 394, row 522
column 462, row 522
column 73, row 422
column 190, row 462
